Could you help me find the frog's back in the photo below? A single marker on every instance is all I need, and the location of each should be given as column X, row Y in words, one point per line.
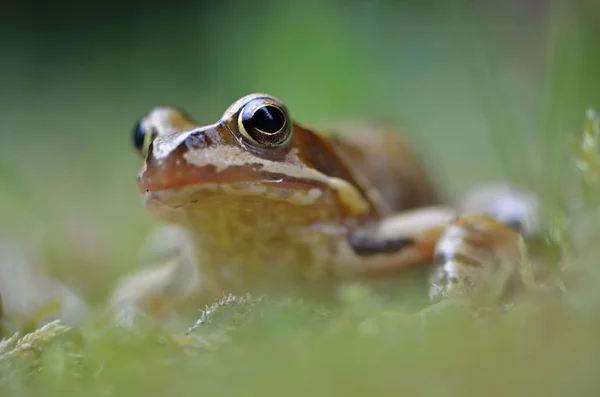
column 390, row 162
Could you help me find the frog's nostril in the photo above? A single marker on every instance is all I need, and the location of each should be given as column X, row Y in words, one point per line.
column 197, row 140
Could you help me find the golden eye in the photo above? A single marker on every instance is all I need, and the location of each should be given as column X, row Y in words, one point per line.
column 265, row 123
column 142, row 138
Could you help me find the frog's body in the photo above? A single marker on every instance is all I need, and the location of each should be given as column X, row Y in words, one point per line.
column 266, row 204
column 392, row 166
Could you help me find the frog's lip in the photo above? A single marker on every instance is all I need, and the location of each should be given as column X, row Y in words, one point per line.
column 175, row 175
column 294, row 192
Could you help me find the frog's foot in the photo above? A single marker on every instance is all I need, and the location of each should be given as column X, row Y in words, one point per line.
column 154, row 292
column 480, row 258
column 399, row 242
column 472, row 255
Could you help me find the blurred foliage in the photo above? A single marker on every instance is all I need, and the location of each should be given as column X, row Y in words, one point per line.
column 487, row 89
column 587, row 158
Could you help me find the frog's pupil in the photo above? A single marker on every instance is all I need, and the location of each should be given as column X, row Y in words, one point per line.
column 138, row 136
column 269, row 119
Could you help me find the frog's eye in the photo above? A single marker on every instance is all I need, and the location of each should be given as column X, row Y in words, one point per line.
column 265, row 123
column 142, row 138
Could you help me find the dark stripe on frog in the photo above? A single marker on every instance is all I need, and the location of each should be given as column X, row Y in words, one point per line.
column 365, row 246
column 443, row 257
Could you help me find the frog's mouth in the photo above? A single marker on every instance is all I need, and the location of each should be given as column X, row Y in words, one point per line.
column 183, row 190
column 293, row 193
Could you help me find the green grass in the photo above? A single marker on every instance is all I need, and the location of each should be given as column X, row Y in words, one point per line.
column 544, row 345
column 486, row 92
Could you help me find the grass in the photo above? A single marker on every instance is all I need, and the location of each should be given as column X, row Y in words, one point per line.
column 463, row 79
column 366, row 346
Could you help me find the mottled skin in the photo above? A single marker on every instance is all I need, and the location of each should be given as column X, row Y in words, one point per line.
column 278, row 209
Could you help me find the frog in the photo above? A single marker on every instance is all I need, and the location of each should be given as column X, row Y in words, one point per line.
column 260, row 203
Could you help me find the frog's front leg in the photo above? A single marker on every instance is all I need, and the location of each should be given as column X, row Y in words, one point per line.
column 471, row 255
column 411, row 238
column 399, row 242
column 171, row 280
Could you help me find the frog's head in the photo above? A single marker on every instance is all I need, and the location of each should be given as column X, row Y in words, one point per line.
column 254, row 154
